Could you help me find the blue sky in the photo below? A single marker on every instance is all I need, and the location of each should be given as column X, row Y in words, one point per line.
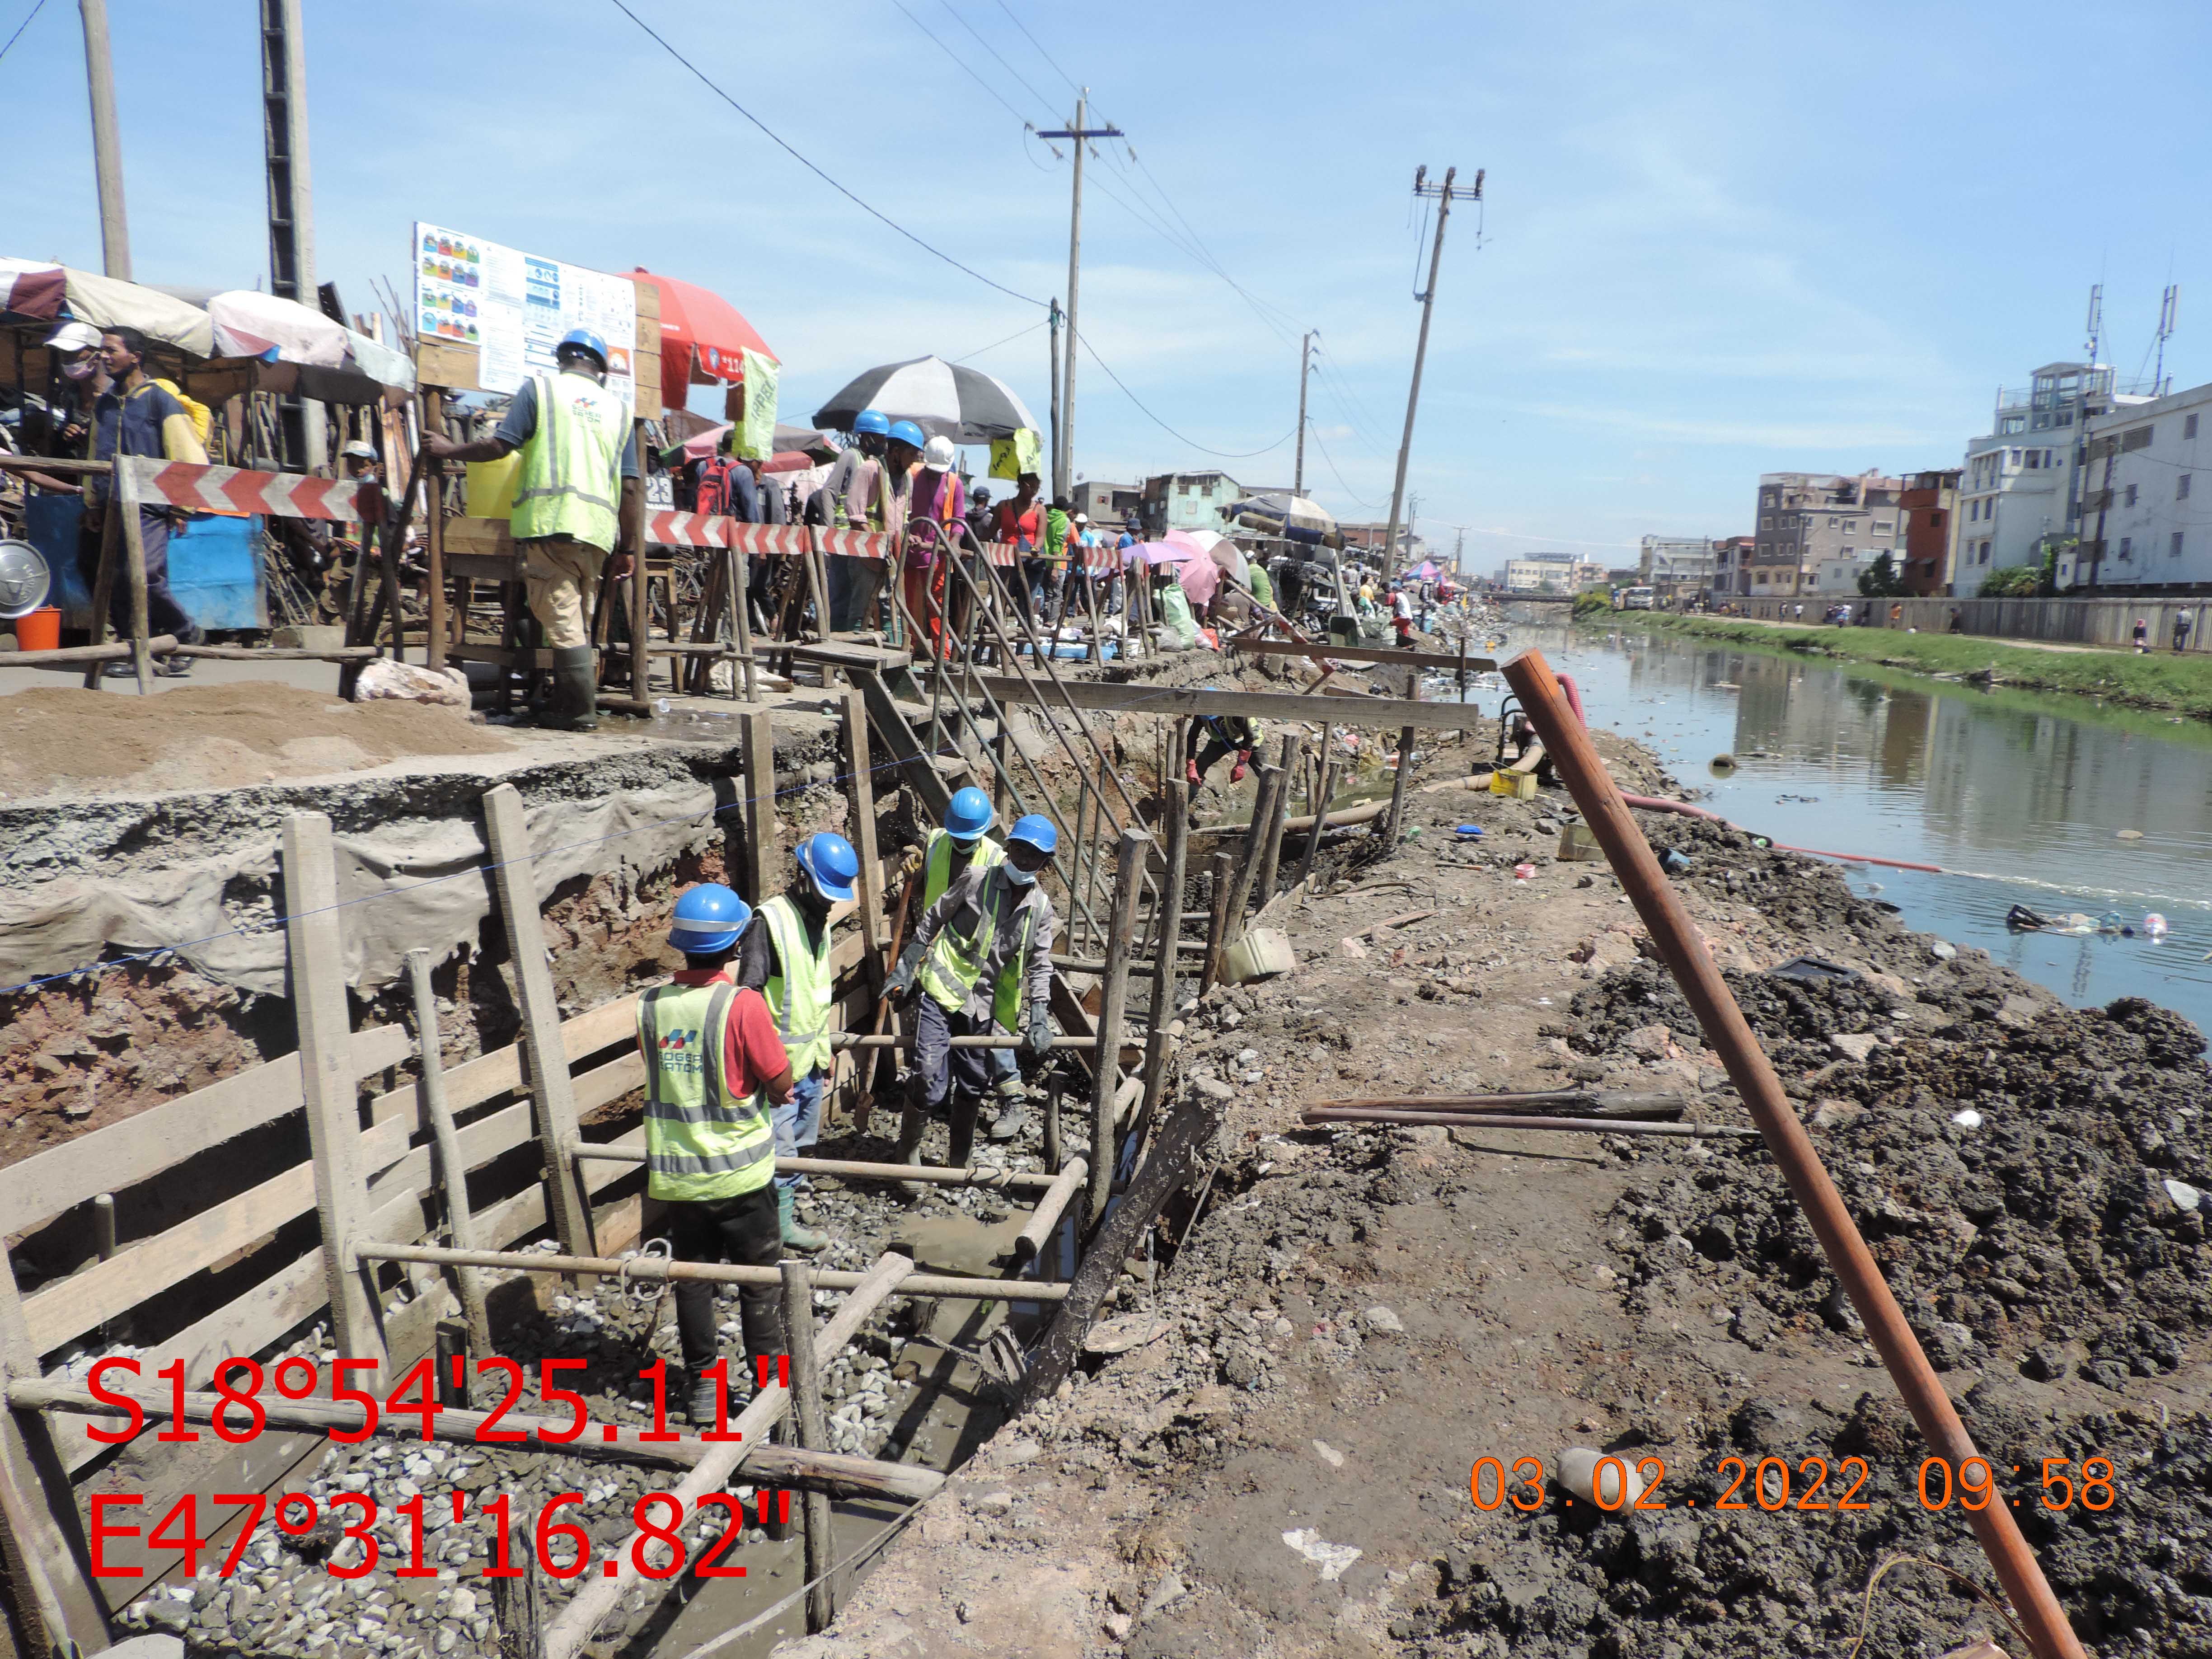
column 1718, row 239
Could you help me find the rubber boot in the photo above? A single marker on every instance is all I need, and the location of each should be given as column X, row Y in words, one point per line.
column 965, row 1108
column 1013, row 1109
column 804, row 1240
column 912, row 1123
column 575, row 702
column 1190, row 773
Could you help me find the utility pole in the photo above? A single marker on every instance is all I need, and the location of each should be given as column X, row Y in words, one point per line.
column 1442, row 195
column 291, row 199
column 1063, row 460
column 107, row 145
column 1305, row 366
column 1052, row 414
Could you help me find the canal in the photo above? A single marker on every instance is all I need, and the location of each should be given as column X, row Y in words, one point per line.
column 2020, row 798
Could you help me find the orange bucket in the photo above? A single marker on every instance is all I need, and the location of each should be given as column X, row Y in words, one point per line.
column 38, row 630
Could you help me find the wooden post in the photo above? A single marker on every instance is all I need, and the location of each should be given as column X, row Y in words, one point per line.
column 1001, row 742
column 1390, row 823
column 1225, row 878
column 316, row 948
column 741, row 623
column 517, row 1605
column 640, row 608
column 1320, row 813
column 1272, row 784
column 763, row 863
column 1167, row 929
column 453, row 1168
column 103, row 581
column 134, row 545
column 38, row 1521
column 1271, row 854
column 1113, row 1006
column 1163, row 1170
column 862, row 794
column 434, row 529
column 516, row 880
column 813, row 1435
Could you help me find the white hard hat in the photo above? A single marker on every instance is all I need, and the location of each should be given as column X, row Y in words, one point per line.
column 937, row 454
column 75, row 336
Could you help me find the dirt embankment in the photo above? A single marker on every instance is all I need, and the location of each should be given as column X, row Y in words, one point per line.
column 1360, row 1316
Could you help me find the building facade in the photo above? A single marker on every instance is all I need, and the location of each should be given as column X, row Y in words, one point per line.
column 1112, row 503
column 2147, row 501
column 1187, row 501
column 1550, row 572
column 1930, row 506
column 1731, row 564
column 2023, row 482
column 1676, row 565
column 1806, row 519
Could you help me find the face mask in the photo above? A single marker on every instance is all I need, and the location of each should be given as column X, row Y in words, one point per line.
column 79, row 371
column 1018, row 876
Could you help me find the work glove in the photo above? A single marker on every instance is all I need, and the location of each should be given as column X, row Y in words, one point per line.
column 900, row 986
column 1036, row 1039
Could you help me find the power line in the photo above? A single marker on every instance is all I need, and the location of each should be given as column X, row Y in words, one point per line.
column 1009, row 340
column 37, row 7
column 1043, row 101
column 1333, row 467
column 966, row 67
column 1043, row 53
column 704, row 80
column 1226, row 455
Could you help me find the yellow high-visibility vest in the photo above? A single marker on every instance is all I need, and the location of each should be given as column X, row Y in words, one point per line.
column 701, row 1140
column 571, row 477
column 936, row 877
column 798, row 992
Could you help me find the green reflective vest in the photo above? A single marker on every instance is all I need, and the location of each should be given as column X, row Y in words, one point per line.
column 956, row 955
column 798, row 991
column 570, row 477
column 701, row 1140
column 936, row 877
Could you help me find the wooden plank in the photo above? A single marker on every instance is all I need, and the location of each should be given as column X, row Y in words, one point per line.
column 860, row 787
column 313, row 944
column 1321, row 652
column 1183, row 702
column 499, row 1072
column 121, row 1155
column 40, row 1517
column 71, row 1306
column 515, row 877
column 447, row 364
column 1106, row 1078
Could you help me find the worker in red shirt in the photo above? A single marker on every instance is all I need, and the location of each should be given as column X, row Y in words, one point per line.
column 714, row 1067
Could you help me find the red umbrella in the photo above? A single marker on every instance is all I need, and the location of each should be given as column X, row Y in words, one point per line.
column 702, row 338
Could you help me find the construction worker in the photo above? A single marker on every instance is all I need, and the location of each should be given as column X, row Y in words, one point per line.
column 712, row 1061
column 993, row 916
column 786, row 959
column 965, row 841
column 579, row 463
column 1213, row 736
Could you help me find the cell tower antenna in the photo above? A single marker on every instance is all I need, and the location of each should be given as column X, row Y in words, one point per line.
column 2096, row 320
column 2169, row 309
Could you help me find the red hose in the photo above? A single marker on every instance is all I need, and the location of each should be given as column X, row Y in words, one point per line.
column 1653, row 803
column 1574, row 699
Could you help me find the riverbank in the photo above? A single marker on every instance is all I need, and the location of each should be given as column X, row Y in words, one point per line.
column 2160, row 681
column 1279, row 1463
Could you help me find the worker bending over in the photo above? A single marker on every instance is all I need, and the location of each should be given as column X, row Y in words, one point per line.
column 579, row 462
column 1213, row 736
column 787, row 960
column 993, row 916
column 714, row 1065
column 962, row 842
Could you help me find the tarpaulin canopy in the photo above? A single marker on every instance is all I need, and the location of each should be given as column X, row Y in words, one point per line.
column 1293, row 517
column 703, row 337
column 251, row 323
column 105, row 302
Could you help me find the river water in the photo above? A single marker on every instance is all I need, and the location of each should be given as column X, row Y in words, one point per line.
column 2019, row 798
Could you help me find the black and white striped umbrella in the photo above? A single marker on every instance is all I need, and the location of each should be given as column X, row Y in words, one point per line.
column 946, row 400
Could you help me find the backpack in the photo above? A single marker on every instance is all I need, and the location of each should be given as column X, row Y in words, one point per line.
column 203, row 418
column 714, row 494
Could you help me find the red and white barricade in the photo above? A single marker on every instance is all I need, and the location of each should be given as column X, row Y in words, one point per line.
column 233, row 490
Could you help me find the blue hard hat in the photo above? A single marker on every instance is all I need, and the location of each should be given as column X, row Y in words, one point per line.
column 830, row 864
column 906, row 432
column 708, row 919
column 871, row 420
column 584, row 340
column 969, row 815
column 1037, row 830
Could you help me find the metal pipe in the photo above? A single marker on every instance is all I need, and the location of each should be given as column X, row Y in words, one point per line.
column 654, row 1269
column 1029, row 1244
column 1575, row 758
column 939, row 1175
column 1587, row 1125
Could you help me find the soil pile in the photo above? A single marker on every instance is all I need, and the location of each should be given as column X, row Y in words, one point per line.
column 212, row 737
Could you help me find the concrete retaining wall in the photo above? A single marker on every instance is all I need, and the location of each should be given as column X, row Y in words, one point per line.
column 2067, row 622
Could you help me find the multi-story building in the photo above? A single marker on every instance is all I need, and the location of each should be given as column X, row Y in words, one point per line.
column 1111, row 503
column 1674, row 565
column 1930, row 506
column 1550, row 572
column 2147, row 498
column 1809, row 518
column 2023, row 482
column 1732, row 566
column 1364, row 539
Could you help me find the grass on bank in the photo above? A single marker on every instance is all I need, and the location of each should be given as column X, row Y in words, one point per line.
column 2160, row 680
